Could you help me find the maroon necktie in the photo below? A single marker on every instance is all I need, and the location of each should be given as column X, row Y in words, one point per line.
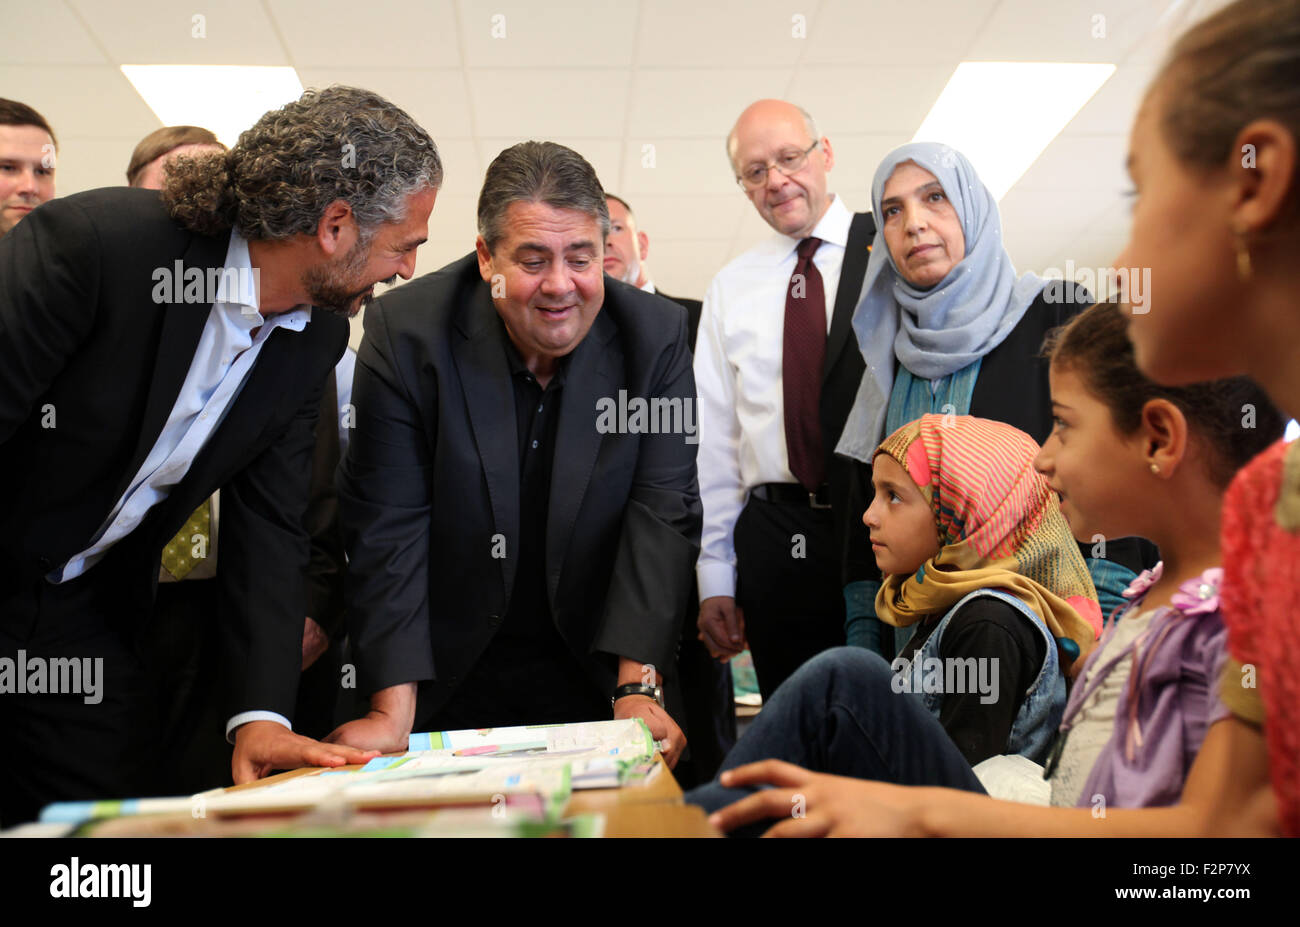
column 805, row 353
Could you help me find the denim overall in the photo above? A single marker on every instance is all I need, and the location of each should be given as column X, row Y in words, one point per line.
column 1040, row 714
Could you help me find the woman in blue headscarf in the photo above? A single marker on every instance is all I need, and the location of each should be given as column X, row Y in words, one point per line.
column 947, row 327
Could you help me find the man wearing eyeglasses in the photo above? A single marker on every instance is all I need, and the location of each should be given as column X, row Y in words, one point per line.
column 777, row 368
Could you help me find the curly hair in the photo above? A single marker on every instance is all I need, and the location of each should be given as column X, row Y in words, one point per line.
column 341, row 143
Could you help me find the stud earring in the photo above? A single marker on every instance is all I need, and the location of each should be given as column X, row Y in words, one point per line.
column 1155, row 468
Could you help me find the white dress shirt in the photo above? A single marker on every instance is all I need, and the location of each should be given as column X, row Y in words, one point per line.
column 225, row 354
column 649, row 286
column 738, row 364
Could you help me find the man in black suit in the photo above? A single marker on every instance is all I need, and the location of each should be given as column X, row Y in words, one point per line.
column 520, row 540
column 151, row 351
column 626, row 250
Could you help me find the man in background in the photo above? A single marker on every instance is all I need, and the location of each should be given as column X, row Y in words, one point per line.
column 777, row 369
column 626, row 250
column 158, row 148
column 28, row 153
column 708, row 701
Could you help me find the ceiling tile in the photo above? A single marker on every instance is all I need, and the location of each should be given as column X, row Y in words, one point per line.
column 392, row 32
column 717, row 99
column 60, row 94
column 724, row 33
column 45, row 33
column 895, row 32
column 557, row 33
column 165, row 32
column 436, row 99
column 548, row 102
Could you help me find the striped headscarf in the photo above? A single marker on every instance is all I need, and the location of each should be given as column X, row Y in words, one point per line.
column 1000, row 526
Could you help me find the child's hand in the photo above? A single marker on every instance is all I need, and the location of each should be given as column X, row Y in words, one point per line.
column 818, row 805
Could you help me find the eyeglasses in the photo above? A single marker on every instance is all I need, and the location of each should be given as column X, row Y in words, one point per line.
column 790, row 161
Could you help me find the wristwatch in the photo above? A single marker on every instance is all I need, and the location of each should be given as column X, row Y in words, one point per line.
column 637, row 688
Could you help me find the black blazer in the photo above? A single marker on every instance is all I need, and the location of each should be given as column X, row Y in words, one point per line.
column 693, row 308
column 83, row 340
column 841, row 377
column 429, row 489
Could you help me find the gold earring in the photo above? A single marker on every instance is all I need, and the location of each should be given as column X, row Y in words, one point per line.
column 1244, row 269
column 1155, row 468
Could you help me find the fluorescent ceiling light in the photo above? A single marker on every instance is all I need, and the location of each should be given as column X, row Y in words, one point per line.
column 223, row 98
column 1001, row 115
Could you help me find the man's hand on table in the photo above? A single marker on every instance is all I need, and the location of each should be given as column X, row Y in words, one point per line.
column 376, row 731
column 264, row 746
column 386, row 726
column 662, row 727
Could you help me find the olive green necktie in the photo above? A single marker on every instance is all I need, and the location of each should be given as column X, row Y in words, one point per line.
column 178, row 556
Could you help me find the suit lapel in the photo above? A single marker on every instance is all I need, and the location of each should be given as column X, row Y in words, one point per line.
column 590, row 376
column 182, row 326
column 480, row 360
column 852, row 272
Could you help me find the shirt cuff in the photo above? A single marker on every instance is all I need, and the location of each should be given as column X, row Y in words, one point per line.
column 716, row 579
column 245, row 716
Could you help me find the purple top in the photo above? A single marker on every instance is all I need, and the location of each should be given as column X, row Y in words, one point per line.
column 1169, row 703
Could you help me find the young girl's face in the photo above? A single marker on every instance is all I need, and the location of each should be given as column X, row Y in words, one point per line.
column 1180, row 236
column 1097, row 472
column 900, row 521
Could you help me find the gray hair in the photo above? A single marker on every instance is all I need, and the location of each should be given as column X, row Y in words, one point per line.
column 539, row 172
column 341, row 143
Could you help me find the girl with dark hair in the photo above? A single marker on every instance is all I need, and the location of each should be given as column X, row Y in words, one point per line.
column 1144, row 459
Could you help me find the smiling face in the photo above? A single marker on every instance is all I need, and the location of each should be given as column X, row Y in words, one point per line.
column 26, row 172
column 1101, row 475
column 345, row 284
column 767, row 133
column 922, row 229
column 900, row 521
column 625, row 247
column 1180, row 230
column 548, row 268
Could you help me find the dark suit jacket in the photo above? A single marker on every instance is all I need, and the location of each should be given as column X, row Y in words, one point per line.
column 429, row 489
column 82, row 339
column 841, row 376
column 693, row 308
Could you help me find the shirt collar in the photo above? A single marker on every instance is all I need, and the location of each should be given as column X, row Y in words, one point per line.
column 516, row 361
column 649, row 287
column 238, row 292
column 833, row 227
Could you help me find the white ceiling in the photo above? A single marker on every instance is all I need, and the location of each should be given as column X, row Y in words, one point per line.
column 610, row 78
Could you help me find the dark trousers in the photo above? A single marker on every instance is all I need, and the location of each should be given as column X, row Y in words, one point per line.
column 839, row 714
column 789, row 585
column 76, row 745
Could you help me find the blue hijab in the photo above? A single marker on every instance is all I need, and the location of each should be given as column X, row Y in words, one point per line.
column 935, row 332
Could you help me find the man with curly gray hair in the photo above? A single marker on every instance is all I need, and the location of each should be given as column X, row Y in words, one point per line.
column 152, row 351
